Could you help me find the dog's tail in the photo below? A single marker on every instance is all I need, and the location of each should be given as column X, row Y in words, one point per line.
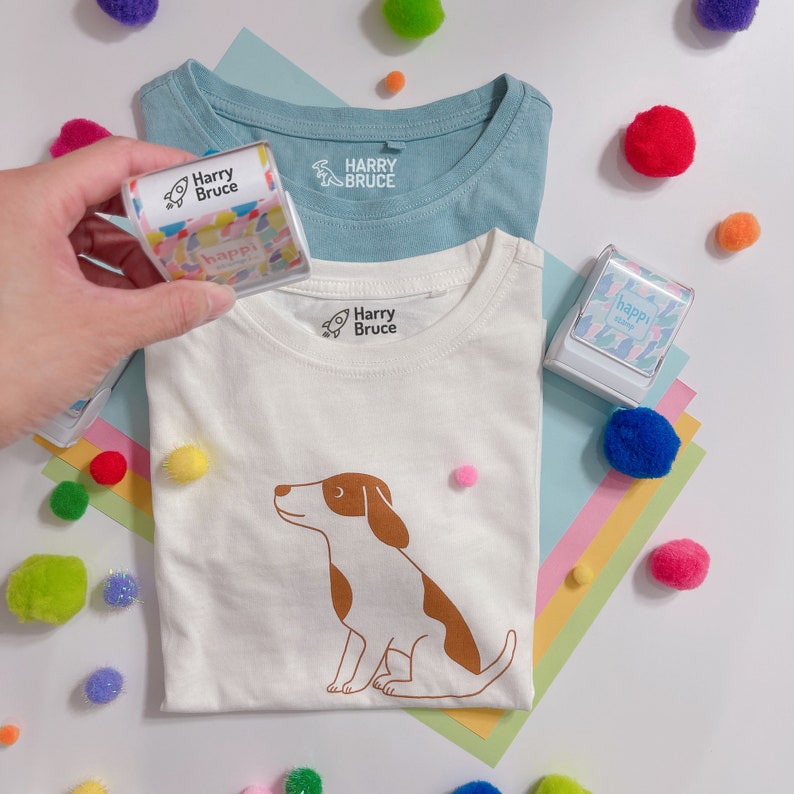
column 498, row 666
column 478, row 682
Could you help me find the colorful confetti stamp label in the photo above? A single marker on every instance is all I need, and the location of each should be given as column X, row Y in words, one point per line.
column 223, row 218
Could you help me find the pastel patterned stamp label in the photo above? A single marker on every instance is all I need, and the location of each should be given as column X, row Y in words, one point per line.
column 632, row 313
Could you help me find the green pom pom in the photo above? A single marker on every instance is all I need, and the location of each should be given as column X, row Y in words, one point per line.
column 303, row 781
column 413, row 19
column 69, row 500
column 559, row 784
column 47, row 587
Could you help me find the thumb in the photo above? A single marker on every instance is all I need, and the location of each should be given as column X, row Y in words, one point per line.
column 166, row 310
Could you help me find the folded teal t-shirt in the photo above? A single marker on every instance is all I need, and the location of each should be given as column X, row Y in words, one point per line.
column 376, row 184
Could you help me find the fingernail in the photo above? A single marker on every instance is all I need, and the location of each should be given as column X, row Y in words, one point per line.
column 221, row 298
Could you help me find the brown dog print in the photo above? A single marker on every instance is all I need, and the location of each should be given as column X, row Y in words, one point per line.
column 405, row 636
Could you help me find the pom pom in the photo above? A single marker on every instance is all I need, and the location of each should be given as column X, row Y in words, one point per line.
column 466, row 476
column 108, row 468
column 256, row 790
column 90, row 787
column 103, row 686
column 69, row 500
column 738, row 231
column 641, row 443
column 660, row 142
column 120, row 590
column 76, row 134
column 476, row 787
column 680, row 564
column 559, row 784
column 394, row 82
column 48, row 588
column 729, row 16
column 303, row 781
column 186, row 464
column 582, row 574
column 9, row 735
column 413, row 19
column 130, row 12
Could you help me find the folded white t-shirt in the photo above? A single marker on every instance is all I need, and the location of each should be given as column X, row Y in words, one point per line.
column 329, row 558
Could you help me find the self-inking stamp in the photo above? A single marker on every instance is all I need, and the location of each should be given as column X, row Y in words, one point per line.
column 223, row 218
column 614, row 339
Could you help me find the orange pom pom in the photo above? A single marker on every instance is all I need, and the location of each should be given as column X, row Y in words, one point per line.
column 9, row 734
column 739, row 230
column 394, row 82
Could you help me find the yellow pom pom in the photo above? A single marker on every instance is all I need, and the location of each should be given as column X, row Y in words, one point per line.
column 185, row 464
column 582, row 574
column 90, row 787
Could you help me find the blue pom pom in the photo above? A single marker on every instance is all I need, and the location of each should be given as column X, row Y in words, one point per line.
column 130, row 12
column 120, row 590
column 103, row 686
column 641, row 443
column 729, row 16
column 477, row 787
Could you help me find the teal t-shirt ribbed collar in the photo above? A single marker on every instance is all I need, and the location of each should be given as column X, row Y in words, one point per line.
column 497, row 182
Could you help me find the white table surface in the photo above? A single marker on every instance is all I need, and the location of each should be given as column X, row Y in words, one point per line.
column 688, row 693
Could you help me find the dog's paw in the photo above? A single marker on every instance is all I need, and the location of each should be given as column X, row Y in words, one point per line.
column 383, row 680
column 348, row 688
column 392, row 687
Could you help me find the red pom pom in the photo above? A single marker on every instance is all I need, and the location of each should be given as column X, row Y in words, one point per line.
column 108, row 468
column 680, row 564
column 77, row 133
column 660, row 142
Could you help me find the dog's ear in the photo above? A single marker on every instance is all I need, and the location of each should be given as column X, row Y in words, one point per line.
column 386, row 525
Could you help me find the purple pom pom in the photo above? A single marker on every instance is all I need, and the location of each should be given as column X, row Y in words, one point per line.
column 120, row 590
column 103, row 686
column 726, row 15
column 130, row 12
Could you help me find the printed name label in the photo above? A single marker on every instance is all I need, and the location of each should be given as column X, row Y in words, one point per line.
column 366, row 172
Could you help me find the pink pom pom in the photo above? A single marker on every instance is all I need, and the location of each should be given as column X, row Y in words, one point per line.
column 466, row 476
column 76, row 134
column 680, row 564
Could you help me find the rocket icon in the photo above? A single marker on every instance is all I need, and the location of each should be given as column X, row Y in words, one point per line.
column 176, row 194
column 336, row 323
